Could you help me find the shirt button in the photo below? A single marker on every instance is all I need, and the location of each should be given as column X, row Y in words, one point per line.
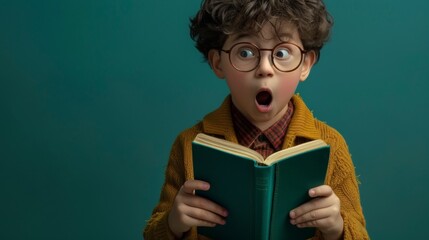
column 262, row 138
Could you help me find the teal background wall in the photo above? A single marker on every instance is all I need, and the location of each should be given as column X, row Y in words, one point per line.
column 89, row 89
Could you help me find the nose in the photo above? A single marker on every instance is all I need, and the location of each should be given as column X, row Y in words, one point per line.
column 266, row 67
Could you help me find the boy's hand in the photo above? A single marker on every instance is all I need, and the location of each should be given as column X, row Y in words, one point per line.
column 190, row 210
column 322, row 212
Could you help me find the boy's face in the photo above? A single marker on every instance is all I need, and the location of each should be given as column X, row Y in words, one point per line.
column 262, row 95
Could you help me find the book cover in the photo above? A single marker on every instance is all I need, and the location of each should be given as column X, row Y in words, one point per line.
column 258, row 196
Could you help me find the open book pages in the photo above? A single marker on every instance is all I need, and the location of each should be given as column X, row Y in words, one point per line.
column 248, row 153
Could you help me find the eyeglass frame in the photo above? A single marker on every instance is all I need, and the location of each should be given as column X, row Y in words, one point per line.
column 303, row 52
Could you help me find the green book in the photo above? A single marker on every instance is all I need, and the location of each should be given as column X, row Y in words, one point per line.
column 258, row 193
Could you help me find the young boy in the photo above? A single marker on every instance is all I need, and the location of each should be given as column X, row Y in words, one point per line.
column 263, row 49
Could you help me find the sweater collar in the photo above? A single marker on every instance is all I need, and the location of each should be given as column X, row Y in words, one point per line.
column 302, row 124
column 219, row 122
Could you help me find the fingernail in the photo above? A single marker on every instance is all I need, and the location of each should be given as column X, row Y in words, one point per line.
column 225, row 213
column 292, row 214
column 312, row 192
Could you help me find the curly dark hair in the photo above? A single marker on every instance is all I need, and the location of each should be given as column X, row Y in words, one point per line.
column 217, row 19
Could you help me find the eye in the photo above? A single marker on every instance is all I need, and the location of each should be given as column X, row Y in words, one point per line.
column 282, row 53
column 246, row 53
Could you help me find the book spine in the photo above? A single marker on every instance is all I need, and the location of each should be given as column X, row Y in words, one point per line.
column 264, row 185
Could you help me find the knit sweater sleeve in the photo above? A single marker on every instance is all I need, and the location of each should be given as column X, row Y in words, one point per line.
column 342, row 178
column 178, row 170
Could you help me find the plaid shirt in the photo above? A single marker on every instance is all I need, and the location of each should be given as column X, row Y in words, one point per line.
column 265, row 142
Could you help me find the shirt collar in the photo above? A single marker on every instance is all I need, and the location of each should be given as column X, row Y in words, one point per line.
column 247, row 133
column 219, row 122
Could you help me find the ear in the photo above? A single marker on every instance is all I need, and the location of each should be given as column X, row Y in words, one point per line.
column 308, row 62
column 215, row 63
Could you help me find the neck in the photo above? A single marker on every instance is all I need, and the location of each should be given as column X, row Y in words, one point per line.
column 264, row 125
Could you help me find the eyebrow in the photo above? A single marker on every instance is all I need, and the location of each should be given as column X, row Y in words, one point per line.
column 284, row 36
column 242, row 35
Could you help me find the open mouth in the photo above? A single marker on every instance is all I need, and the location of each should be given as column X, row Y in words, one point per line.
column 264, row 98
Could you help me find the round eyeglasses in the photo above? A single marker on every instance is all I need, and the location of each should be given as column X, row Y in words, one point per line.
column 245, row 56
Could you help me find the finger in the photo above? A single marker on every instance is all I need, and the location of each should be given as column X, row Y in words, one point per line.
column 312, row 216
column 204, row 216
column 203, row 203
column 318, row 223
column 320, row 191
column 191, row 221
column 191, row 185
column 314, row 204
column 323, row 223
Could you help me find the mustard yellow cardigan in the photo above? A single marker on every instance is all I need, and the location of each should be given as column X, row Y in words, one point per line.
column 303, row 127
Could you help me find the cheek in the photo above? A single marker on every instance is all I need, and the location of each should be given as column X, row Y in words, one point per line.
column 236, row 83
column 287, row 87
